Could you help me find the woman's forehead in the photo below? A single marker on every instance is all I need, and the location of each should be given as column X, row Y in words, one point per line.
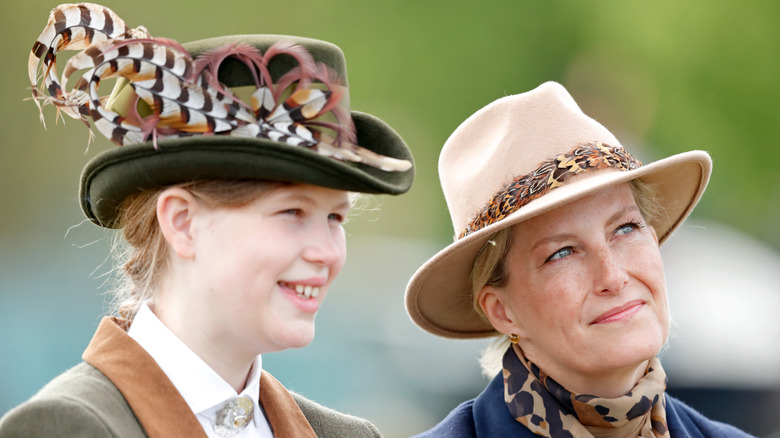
column 307, row 193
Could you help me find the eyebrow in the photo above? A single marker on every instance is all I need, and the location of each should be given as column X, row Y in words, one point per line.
column 346, row 204
column 551, row 239
column 622, row 212
column 565, row 236
column 303, row 197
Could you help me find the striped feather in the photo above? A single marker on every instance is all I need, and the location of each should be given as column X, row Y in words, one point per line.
column 70, row 27
column 161, row 92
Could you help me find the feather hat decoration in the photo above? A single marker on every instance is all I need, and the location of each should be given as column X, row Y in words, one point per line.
column 252, row 106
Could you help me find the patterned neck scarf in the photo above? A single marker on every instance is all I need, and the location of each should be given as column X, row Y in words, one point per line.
column 549, row 410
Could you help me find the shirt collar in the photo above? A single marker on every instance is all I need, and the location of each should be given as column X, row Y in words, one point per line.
column 200, row 386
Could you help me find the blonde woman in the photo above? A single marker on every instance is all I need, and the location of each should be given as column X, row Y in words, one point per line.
column 557, row 256
column 238, row 155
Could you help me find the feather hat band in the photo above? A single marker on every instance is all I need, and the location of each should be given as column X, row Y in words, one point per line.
column 267, row 107
column 515, row 159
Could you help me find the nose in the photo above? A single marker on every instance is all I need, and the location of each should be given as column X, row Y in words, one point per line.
column 325, row 246
column 611, row 276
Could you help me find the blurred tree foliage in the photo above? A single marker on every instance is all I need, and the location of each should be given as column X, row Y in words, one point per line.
column 665, row 76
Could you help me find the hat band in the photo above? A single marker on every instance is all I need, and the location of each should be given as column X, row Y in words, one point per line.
column 549, row 175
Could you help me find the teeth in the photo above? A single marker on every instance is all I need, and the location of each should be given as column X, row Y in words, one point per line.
column 305, row 291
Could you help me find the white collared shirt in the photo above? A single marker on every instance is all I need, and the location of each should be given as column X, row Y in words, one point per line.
column 201, row 387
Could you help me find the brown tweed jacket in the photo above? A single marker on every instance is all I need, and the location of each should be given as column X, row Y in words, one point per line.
column 119, row 391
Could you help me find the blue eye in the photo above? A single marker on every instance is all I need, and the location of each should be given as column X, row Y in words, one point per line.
column 628, row 228
column 561, row 253
column 292, row 213
column 336, row 217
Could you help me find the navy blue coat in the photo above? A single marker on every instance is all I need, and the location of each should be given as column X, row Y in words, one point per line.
column 488, row 417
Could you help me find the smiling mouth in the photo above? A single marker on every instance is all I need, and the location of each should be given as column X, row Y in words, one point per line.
column 304, row 291
column 619, row 313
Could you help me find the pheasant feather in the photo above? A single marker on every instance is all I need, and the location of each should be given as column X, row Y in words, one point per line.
column 161, row 92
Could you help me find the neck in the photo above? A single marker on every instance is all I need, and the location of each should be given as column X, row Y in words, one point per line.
column 605, row 384
column 229, row 363
column 615, row 383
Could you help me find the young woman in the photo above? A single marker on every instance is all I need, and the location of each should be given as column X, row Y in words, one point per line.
column 237, row 159
column 557, row 256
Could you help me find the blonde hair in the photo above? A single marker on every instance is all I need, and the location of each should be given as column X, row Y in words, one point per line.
column 140, row 251
column 490, row 269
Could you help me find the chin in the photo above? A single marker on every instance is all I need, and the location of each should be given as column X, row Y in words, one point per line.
column 300, row 344
column 636, row 354
column 299, row 337
column 632, row 349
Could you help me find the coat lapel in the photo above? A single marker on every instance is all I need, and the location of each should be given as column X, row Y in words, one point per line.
column 286, row 418
column 156, row 403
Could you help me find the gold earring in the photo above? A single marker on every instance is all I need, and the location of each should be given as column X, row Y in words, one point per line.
column 514, row 338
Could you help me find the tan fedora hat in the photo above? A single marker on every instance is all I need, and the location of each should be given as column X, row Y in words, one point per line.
column 509, row 162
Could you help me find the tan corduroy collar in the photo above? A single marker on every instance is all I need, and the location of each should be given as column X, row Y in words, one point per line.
column 157, row 404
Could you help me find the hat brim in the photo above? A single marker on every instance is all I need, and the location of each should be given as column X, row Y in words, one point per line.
column 438, row 296
column 114, row 174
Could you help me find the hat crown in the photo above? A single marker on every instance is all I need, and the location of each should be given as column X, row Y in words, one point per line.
column 234, row 73
column 508, row 138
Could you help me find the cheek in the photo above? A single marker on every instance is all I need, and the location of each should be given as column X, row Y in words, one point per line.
column 562, row 305
column 660, row 295
column 651, row 273
column 654, row 275
column 341, row 243
column 552, row 302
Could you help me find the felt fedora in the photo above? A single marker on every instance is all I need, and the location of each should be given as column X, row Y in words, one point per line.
column 517, row 158
column 267, row 107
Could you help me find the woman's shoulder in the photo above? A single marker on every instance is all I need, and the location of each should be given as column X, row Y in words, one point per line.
column 78, row 382
column 684, row 420
column 76, row 403
column 458, row 423
column 484, row 416
column 327, row 422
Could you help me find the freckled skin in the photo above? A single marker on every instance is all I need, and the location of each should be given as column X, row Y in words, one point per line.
column 576, row 265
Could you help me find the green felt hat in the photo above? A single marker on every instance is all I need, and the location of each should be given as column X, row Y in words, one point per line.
column 114, row 174
column 265, row 107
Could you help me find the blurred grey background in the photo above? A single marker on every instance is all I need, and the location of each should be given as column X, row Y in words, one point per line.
column 664, row 76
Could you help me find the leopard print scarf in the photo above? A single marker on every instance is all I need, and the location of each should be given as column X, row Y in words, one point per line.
column 549, row 410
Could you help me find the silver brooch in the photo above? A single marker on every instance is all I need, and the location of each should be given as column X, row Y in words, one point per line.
column 234, row 416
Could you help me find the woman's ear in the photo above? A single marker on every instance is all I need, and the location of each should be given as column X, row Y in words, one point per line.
column 175, row 210
column 493, row 302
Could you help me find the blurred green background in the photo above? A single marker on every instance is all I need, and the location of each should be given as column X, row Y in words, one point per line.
column 664, row 76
